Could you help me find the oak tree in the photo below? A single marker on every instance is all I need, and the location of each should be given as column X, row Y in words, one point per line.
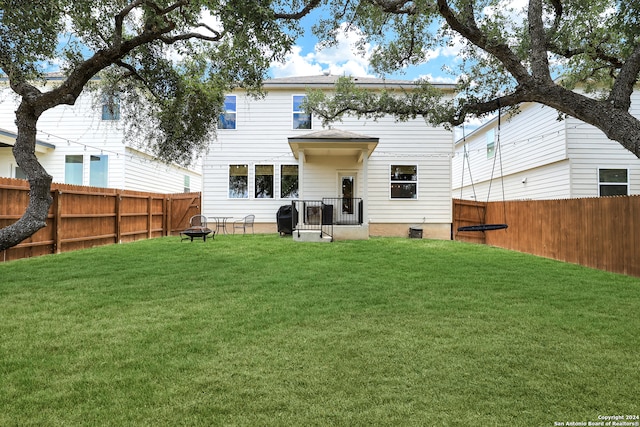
column 170, row 61
column 581, row 57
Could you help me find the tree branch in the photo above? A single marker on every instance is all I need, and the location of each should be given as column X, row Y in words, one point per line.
column 471, row 32
column 481, row 108
column 300, row 14
column 119, row 18
column 397, row 7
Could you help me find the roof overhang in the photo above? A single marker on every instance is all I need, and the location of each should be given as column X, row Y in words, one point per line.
column 8, row 139
column 333, row 143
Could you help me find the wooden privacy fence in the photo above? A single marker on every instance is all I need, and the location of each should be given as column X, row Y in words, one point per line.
column 82, row 217
column 602, row 233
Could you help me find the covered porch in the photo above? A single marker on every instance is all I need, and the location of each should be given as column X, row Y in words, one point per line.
column 333, row 190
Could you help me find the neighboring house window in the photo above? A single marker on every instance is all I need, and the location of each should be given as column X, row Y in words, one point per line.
column 264, row 182
column 99, row 171
column 404, row 181
column 73, row 169
column 289, row 181
column 238, row 181
column 187, row 184
column 301, row 120
column 613, row 182
column 227, row 119
column 110, row 107
column 491, row 144
column 20, row 173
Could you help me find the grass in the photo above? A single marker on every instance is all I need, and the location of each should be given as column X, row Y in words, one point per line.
column 260, row 330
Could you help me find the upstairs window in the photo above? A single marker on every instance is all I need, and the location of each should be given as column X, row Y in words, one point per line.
column 613, row 182
column 404, row 181
column 491, row 144
column 227, row 119
column 301, row 119
column 110, row 107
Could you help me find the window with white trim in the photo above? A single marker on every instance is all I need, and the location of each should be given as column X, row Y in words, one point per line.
column 110, row 107
column 404, row 182
column 73, row 169
column 289, row 181
column 613, row 182
column 227, row 119
column 301, row 119
column 238, row 181
column 264, row 182
column 491, row 143
column 187, row 184
column 99, row 171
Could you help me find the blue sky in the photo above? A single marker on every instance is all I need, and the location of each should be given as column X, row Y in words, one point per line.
column 307, row 60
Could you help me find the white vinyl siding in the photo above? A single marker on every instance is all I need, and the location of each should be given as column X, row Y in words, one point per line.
column 525, row 146
column 591, row 150
column 79, row 130
column 265, row 141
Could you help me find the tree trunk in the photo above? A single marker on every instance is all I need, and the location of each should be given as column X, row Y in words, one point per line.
column 35, row 216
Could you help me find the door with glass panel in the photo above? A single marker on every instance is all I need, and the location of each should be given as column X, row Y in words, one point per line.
column 348, row 209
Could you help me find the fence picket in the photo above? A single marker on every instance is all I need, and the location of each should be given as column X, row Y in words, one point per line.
column 82, row 217
column 594, row 232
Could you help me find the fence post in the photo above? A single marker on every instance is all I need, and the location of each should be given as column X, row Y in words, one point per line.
column 149, row 216
column 57, row 217
column 118, row 217
column 165, row 216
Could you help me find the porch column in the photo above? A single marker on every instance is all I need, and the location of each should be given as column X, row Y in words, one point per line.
column 301, row 162
column 365, row 186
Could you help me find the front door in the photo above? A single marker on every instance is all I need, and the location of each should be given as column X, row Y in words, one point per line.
column 347, row 190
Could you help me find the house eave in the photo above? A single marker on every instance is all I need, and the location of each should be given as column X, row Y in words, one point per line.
column 8, row 139
column 333, row 143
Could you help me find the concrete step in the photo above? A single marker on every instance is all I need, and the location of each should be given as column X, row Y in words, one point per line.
column 311, row 236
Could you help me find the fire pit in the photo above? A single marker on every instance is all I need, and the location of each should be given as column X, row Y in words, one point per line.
column 197, row 232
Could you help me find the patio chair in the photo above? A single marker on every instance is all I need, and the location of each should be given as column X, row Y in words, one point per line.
column 197, row 228
column 244, row 223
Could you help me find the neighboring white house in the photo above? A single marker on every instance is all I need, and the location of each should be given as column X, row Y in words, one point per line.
column 84, row 144
column 542, row 157
column 366, row 177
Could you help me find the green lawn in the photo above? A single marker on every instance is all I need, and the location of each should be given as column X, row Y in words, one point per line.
column 260, row 330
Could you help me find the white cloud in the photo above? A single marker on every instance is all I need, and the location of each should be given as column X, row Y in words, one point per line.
column 438, row 79
column 343, row 58
column 297, row 65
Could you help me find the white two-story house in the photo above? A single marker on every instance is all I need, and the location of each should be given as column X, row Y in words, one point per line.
column 355, row 179
column 84, row 144
column 533, row 156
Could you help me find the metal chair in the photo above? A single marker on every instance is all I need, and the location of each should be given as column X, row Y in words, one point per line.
column 244, row 223
column 198, row 221
column 197, row 228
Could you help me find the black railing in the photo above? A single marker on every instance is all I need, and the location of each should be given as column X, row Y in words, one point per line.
column 312, row 215
column 323, row 214
column 345, row 211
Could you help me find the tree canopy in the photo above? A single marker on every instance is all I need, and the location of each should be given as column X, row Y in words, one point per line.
column 581, row 57
column 171, row 61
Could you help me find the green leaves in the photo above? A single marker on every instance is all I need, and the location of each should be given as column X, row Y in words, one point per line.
column 169, row 61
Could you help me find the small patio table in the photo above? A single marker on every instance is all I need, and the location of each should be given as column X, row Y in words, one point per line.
column 221, row 223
